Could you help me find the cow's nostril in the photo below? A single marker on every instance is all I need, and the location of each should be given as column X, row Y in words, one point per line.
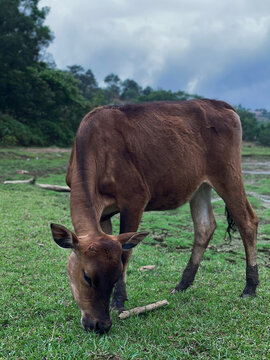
column 100, row 327
column 103, row 326
column 88, row 325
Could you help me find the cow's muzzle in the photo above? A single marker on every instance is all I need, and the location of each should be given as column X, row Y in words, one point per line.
column 99, row 326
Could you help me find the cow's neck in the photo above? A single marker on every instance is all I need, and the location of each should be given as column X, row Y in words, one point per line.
column 85, row 212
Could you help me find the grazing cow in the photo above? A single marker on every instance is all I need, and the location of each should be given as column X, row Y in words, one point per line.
column 143, row 157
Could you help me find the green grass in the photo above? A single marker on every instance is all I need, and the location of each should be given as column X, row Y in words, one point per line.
column 39, row 319
column 49, row 165
column 249, row 149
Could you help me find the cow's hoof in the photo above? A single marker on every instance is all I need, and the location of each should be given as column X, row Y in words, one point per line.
column 118, row 310
column 118, row 306
column 245, row 295
column 248, row 291
column 181, row 287
column 178, row 289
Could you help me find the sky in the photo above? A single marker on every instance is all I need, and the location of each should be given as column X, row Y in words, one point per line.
column 218, row 49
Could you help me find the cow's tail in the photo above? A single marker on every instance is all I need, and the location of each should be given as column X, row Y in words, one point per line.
column 231, row 224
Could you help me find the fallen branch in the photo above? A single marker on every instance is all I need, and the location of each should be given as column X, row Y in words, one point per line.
column 54, row 187
column 147, row 267
column 30, row 181
column 142, row 309
column 43, row 186
column 23, row 172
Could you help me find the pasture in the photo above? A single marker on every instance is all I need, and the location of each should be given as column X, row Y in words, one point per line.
column 40, row 320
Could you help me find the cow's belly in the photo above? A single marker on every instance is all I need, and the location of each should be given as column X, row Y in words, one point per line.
column 164, row 195
column 172, row 197
column 165, row 201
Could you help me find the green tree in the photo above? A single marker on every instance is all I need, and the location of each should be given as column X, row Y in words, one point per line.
column 39, row 105
column 13, row 132
column 22, row 39
column 149, row 94
column 147, row 91
column 49, row 106
column 22, row 33
column 131, row 90
column 112, row 89
column 250, row 124
column 264, row 134
column 87, row 82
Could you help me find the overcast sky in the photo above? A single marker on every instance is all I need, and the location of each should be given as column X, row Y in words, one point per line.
column 215, row 48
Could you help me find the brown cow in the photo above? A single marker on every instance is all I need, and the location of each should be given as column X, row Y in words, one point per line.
column 154, row 156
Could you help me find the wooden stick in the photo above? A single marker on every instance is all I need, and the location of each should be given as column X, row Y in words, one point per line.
column 23, row 172
column 147, row 267
column 43, row 186
column 142, row 309
column 54, row 187
column 30, row 181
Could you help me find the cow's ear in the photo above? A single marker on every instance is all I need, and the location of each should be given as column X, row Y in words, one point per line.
column 63, row 237
column 130, row 240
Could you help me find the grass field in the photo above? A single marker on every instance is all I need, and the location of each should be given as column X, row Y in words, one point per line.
column 39, row 319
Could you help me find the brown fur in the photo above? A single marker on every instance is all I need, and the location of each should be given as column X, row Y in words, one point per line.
column 154, row 156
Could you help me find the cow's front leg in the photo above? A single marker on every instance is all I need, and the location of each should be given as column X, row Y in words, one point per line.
column 129, row 222
column 120, row 293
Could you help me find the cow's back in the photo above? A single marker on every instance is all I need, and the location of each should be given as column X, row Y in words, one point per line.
column 168, row 148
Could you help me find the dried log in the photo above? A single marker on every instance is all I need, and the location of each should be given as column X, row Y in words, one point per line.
column 43, row 186
column 54, row 187
column 147, row 267
column 23, row 172
column 29, row 181
column 142, row 309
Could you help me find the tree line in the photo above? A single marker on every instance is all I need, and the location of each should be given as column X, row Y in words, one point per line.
column 41, row 105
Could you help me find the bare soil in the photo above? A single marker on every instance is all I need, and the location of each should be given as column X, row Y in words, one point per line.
column 47, row 150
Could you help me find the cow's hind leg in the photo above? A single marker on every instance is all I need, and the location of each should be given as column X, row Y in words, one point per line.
column 234, row 196
column 204, row 227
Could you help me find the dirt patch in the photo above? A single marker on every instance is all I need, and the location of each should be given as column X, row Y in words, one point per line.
column 47, row 150
column 48, row 172
column 13, row 155
column 253, row 166
column 264, row 198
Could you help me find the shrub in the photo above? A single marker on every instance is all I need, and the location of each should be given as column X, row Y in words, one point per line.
column 264, row 135
column 13, row 132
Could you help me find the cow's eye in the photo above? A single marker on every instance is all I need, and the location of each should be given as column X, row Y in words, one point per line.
column 87, row 279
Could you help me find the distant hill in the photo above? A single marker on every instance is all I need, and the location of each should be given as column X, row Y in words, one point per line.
column 262, row 115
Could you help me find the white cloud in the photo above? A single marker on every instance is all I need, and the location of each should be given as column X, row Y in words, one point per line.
column 192, row 85
column 178, row 44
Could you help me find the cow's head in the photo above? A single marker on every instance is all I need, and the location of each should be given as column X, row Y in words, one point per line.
column 94, row 266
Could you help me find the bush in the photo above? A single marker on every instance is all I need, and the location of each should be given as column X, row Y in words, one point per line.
column 250, row 124
column 264, row 135
column 44, row 133
column 55, row 133
column 13, row 132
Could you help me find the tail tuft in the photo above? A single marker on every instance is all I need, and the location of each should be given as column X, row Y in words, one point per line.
column 231, row 224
